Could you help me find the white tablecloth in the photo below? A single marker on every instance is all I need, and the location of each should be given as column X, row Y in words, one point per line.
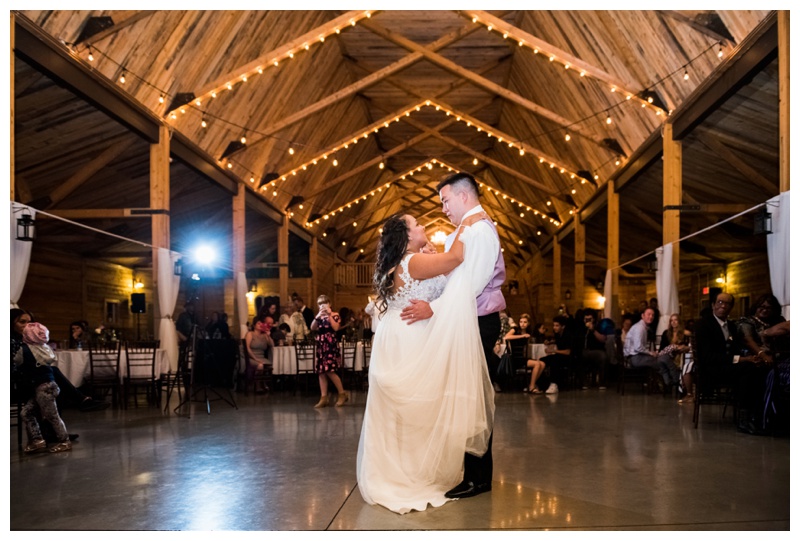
column 536, row 351
column 284, row 360
column 74, row 364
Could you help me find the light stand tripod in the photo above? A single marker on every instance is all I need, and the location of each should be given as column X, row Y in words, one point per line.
column 199, row 371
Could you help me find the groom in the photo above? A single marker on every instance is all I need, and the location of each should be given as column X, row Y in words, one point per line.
column 460, row 199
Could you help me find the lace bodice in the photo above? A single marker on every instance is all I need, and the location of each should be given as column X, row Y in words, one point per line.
column 424, row 290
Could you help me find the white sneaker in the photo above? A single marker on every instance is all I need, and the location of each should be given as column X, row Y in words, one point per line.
column 553, row 389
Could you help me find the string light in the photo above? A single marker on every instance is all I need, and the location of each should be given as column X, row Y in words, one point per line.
column 91, row 56
column 720, row 53
column 122, row 77
column 686, row 74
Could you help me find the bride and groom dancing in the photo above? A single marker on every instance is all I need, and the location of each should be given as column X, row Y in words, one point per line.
column 427, row 431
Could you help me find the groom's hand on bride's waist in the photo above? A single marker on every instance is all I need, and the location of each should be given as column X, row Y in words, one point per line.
column 416, row 311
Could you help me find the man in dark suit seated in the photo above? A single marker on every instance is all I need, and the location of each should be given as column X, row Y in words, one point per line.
column 718, row 347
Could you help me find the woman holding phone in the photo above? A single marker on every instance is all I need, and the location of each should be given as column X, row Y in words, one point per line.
column 325, row 325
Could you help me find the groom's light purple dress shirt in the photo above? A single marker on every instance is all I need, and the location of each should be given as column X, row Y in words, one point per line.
column 486, row 260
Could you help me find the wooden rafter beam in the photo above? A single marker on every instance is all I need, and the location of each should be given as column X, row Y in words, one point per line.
column 548, row 49
column 359, row 85
column 702, row 28
column 482, row 82
column 507, row 138
column 96, row 214
column 755, row 52
column 266, row 60
column 87, row 171
column 751, row 173
column 110, row 31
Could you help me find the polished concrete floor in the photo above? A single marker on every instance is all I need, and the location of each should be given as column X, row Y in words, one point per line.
column 579, row 460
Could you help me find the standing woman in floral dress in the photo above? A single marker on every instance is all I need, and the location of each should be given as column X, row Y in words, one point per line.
column 325, row 325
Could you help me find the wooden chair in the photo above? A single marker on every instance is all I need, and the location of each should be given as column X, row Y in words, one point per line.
column 251, row 375
column 140, row 372
column 305, row 353
column 367, row 345
column 718, row 392
column 348, row 367
column 519, row 358
column 16, row 404
column 642, row 375
column 104, row 376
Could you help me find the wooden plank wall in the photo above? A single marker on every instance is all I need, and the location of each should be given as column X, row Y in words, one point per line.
column 62, row 288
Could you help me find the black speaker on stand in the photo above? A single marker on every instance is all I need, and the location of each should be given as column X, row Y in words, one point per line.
column 138, row 307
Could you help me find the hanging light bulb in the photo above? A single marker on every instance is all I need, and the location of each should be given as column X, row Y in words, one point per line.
column 335, row 162
column 122, row 77
column 213, row 94
column 381, row 166
column 686, row 75
column 243, row 139
column 720, row 53
column 203, row 123
column 161, row 98
column 260, row 70
column 567, row 137
column 475, row 161
column 291, row 150
column 91, row 56
column 608, row 120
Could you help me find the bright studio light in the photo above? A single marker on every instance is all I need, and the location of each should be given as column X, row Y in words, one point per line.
column 204, row 254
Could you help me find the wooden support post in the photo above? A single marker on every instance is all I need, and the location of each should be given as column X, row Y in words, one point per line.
column 580, row 258
column 612, row 249
column 11, row 94
column 283, row 260
column 159, row 199
column 556, row 272
column 238, row 249
column 313, row 260
column 783, row 99
column 673, row 195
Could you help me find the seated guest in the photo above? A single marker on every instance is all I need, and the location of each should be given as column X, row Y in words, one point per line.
column 593, row 355
column 286, row 318
column 79, row 335
column 627, row 323
column 674, row 343
column 717, row 343
column 218, row 328
column 278, row 334
column 557, row 359
column 34, row 359
column 638, row 354
column 257, row 344
column 757, row 360
column 539, row 333
column 517, row 340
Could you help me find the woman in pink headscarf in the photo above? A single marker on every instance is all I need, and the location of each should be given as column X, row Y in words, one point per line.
column 34, row 360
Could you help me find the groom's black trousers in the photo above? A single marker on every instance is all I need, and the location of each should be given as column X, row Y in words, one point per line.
column 479, row 469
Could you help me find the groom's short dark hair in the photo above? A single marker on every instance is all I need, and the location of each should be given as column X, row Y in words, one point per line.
column 463, row 180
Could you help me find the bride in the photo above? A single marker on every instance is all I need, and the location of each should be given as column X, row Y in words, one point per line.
column 427, row 404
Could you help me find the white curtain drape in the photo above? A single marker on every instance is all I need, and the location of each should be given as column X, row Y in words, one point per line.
column 241, row 302
column 778, row 249
column 666, row 287
column 168, row 285
column 607, row 295
column 20, row 253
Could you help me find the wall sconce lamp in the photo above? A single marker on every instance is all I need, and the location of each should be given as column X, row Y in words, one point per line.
column 568, row 294
column 137, row 284
column 26, row 227
column 721, row 279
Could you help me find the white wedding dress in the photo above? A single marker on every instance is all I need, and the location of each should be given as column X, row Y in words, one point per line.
column 430, row 399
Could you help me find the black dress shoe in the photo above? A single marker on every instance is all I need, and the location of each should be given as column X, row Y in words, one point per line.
column 466, row 489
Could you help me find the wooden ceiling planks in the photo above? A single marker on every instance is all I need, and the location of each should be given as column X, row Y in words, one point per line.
column 164, row 47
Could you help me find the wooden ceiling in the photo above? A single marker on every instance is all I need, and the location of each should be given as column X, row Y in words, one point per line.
column 406, row 92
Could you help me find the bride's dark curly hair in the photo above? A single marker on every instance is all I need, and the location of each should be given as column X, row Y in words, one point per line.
column 391, row 248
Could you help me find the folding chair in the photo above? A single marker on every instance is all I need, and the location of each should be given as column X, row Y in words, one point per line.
column 305, row 353
column 140, row 371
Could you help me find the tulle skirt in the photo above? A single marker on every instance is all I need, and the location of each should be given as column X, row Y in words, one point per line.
column 430, row 400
